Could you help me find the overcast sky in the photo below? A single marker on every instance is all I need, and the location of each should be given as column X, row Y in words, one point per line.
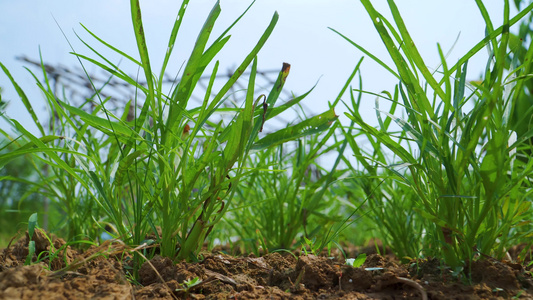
column 301, row 38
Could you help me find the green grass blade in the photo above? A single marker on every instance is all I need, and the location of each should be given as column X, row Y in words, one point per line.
column 102, row 124
column 412, row 51
column 367, row 53
column 384, row 138
column 27, row 148
column 114, row 70
column 55, row 158
column 270, row 102
column 283, row 107
column 220, row 95
column 172, row 39
column 191, row 73
column 406, row 75
column 145, row 58
column 488, row 22
column 310, row 126
column 24, row 99
column 491, row 36
column 121, row 53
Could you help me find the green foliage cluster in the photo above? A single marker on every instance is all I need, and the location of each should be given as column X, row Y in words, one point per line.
column 459, row 183
column 445, row 173
column 170, row 171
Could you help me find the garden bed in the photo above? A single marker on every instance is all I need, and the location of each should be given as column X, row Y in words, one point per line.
column 99, row 273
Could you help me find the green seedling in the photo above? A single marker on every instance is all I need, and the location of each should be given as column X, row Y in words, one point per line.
column 187, row 285
column 53, row 255
column 312, row 247
column 356, row 262
column 32, row 224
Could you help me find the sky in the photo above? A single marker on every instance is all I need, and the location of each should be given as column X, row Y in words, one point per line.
column 301, row 38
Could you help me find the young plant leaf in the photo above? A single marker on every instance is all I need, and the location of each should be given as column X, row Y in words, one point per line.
column 356, row 262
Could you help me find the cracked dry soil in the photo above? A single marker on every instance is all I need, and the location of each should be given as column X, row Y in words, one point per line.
column 99, row 273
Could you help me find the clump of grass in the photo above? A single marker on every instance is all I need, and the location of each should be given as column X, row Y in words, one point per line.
column 289, row 201
column 460, row 163
column 278, row 200
column 158, row 168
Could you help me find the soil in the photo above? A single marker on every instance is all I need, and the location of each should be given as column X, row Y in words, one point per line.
column 101, row 273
